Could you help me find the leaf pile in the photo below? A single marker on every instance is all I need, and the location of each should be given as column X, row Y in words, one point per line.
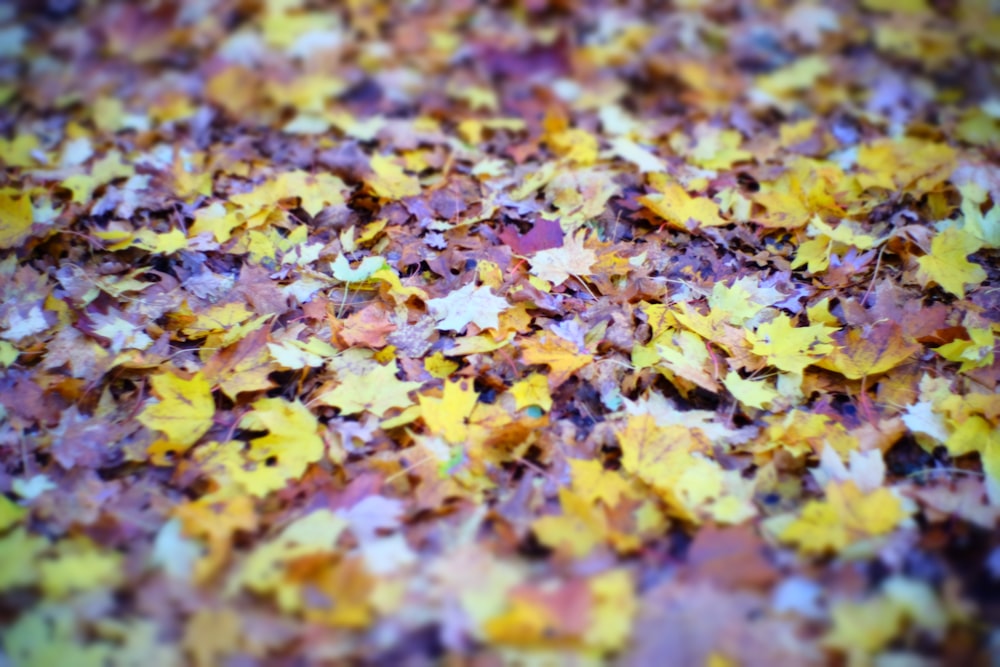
column 541, row 332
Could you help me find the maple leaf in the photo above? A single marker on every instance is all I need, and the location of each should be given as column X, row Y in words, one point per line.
column 390, row 181
column 592, row 482
column 869, row 350
column 184, row 410
column 244, row 366
column 544, row 234
column 532, row 390
column 343, row 272
column 578, row 530
column 847, row 516
column 557, row 265
column 264, row 570
column 468, row 305
column 376, row 391
column 292, row 441
column 788, row 347
column 562, row 356
column 448, row 416
column 16, row 218
column 977, row 352
column 976, row 434
column 369, row 326
column 947, row 265
column 752, row 393
column 681, row 210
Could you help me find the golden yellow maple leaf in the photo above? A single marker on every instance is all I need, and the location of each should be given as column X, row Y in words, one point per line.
column 375, row 391
column 265, row 570
column 977, row 352
column 80, row 566
column 21, row 553
column 389, row 180
column 562, row 356
column 448, row 416
column 593, row 482
column 16, row 218
column 946, row 264
column 681, row 210
column 532, row 390
column 576, row 531
column 613, row 609
column 790, row 348
column 910, row 163
column 752, row 393
column 845, row 517
column 184, row 410
column 292, row 441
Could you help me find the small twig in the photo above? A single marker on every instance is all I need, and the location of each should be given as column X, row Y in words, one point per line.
column 949, row 471
column 878, row 263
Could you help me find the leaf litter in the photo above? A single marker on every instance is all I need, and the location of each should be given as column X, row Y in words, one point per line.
column 534, row 333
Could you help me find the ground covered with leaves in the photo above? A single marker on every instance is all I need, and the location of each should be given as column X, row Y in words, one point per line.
column 537, row 333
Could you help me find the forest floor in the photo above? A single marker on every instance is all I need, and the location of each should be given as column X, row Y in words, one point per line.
column 528, row 333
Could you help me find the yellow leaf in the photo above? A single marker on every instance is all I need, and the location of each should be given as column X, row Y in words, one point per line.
column 869, row 350
column 533, row 390
column 660, row 456
column 264, row 571
column 803, row 432
column 185, row 409
column 105, row 170
column 684, row 354
column 19, row 151
column 166, row 243
column 797, row 76
column 683, row 211
column 80, row 567
column 863, row 628
column 376, row 391
column 19, row 557
column 439, row 366
column 752, row 393
column 563, row 357
column 217, row 220
column 845, row 517
column 790, row 348
column 16, row 218
column 717, row 148
column 10, row 513
column 593, row 482
column 579, row 529
column 448, row 416
column 974, row 353
column 613, row 609
column 390, row 181
column 947, row 265
column 292, row 441
column 915, row 165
